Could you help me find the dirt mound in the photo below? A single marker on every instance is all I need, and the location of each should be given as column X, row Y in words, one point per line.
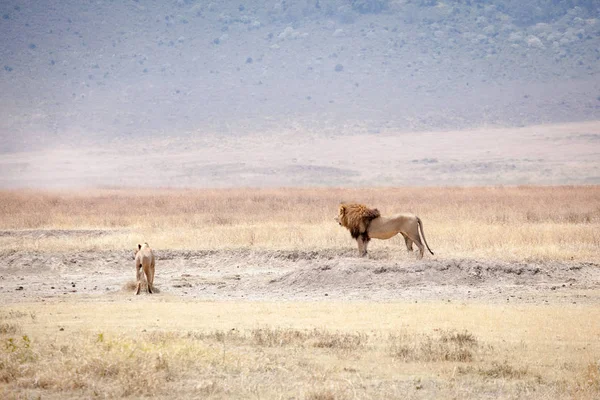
column 287, row 255
column 295, row 275
column 344, row 273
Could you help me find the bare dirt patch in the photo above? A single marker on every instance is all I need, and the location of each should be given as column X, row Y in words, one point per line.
column 296, row 275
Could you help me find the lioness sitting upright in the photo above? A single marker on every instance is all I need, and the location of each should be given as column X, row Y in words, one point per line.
column 144, row 258
column 365, row 223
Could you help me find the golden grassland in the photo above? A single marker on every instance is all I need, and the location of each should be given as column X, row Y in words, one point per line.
column 322, row 350
column 513, row 223
column 159, row 346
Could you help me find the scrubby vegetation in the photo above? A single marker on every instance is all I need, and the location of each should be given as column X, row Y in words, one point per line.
column 101, row 357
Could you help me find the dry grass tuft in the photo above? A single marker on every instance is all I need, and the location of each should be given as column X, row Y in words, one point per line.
column 7, row 328
column 449, row 346
column 463, row 339
column 325, row 394
column 278, row 337
column 587, row 385
column 11, row 328
column 592, row 376
column 503, row 371
column 342, row 341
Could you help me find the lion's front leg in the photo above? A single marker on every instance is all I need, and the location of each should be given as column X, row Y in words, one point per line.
column 366, row 240
column 362, row 246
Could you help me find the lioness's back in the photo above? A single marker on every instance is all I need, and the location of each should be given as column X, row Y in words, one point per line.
column 145, row 255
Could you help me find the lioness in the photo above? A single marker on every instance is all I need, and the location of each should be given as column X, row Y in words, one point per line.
column 365, row 223
column 144, row 258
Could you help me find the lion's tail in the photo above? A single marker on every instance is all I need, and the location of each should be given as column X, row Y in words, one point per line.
column 423, row 234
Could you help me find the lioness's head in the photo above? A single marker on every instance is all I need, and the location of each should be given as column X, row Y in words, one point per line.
column 135, row 251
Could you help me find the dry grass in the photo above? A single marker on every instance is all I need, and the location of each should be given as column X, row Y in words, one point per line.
column 516, row 223
column 269, row 337
column 102, row 352
column 162, row 347
column 447, row 347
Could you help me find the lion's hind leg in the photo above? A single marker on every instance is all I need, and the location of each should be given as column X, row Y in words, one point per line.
column 417, row 240
column 151, row 279
column 138, row 275
column 408, row 242
column 147, row 272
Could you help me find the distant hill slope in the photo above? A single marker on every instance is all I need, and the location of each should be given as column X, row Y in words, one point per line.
column 72, row 70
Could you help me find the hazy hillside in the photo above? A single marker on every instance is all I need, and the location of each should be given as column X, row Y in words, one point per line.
column 72, row 70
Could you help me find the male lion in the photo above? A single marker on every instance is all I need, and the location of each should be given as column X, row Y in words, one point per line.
column 365, row 223
column 144, row 258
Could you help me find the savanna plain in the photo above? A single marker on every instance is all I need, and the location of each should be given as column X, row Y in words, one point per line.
column 261, row 294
